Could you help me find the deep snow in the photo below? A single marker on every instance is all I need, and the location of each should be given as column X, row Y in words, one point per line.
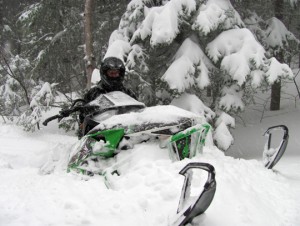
column 35, row 189
column 33, row 192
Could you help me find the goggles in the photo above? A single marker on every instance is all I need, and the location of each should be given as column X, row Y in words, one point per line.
column 113, row 73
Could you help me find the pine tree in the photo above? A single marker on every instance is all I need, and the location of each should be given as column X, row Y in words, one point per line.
column 52, row 40
column 271, row 23
column 177, row 47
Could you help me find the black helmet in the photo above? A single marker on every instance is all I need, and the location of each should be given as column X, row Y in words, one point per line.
column 112, row 72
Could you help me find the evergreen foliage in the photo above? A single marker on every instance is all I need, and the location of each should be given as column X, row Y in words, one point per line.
column 185, row 47
column 173, row 49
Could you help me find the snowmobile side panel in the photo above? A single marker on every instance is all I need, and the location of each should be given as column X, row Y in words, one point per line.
column 112, row 139
column 272, row 156
column 185, row 144
column 100, row 144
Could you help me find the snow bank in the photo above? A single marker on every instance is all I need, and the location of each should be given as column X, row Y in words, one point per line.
column 146, row 192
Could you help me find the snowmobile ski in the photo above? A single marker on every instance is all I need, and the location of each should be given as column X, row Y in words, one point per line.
column 189, row 208
column 271, row 156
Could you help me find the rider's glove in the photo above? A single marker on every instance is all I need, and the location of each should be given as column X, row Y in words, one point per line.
column 66, row 112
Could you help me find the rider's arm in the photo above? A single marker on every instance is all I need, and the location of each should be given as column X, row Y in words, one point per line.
column 92, row 94
column 130, row 93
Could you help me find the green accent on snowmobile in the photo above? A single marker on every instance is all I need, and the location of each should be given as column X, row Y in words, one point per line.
column 185, row 144
column 112, row 138
column 109, row 139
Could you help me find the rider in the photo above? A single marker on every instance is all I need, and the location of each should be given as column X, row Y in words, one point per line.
column 112, row 73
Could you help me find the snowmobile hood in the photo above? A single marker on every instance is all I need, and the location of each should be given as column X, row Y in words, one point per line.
column 157, row 116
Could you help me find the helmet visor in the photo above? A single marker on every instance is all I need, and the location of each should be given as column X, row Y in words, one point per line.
column 113, row 73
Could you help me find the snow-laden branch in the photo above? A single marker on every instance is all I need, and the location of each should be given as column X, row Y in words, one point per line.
column 162, row 23
column 44, row 94
column 238, row 53
column 231, row 99
column 214, row 14
column 277, row 70
column 181, row 73
column 277, row 35
column 191, row 102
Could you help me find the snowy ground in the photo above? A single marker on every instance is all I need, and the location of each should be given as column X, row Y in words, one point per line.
column 34, row 193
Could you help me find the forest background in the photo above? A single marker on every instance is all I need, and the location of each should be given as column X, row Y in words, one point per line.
column 47, row 49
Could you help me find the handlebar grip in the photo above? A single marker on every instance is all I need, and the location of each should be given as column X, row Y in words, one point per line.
column 51, row 119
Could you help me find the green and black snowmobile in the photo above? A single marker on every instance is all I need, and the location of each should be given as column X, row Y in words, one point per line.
column 115, row 121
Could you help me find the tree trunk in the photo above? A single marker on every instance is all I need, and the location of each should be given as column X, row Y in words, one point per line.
column 208, row 91
column 276, row 87
column 1, row 13
column 275, row 96
column 89, row 57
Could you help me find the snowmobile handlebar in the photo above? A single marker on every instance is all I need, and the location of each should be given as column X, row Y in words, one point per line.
column 45, row 123
column 67, row 112
column 62, row 114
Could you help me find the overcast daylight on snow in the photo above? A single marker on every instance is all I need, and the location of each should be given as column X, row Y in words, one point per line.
column 149, row 112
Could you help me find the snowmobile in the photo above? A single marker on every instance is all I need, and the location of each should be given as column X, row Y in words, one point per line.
column 115, row 121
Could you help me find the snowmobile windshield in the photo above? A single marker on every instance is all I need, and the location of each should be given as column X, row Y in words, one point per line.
column 115, row 100
column 104, row 115
column 110, row 104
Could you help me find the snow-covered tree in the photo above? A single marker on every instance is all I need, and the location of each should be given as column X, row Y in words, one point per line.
column 20, row 95
column 48, row 37
column 41, row 97
column 13, row 83
column 285, row 12
column 178, row 47
column 278, row 41
column 51, row 38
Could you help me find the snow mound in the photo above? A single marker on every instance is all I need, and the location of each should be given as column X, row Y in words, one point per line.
column 147, row 189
